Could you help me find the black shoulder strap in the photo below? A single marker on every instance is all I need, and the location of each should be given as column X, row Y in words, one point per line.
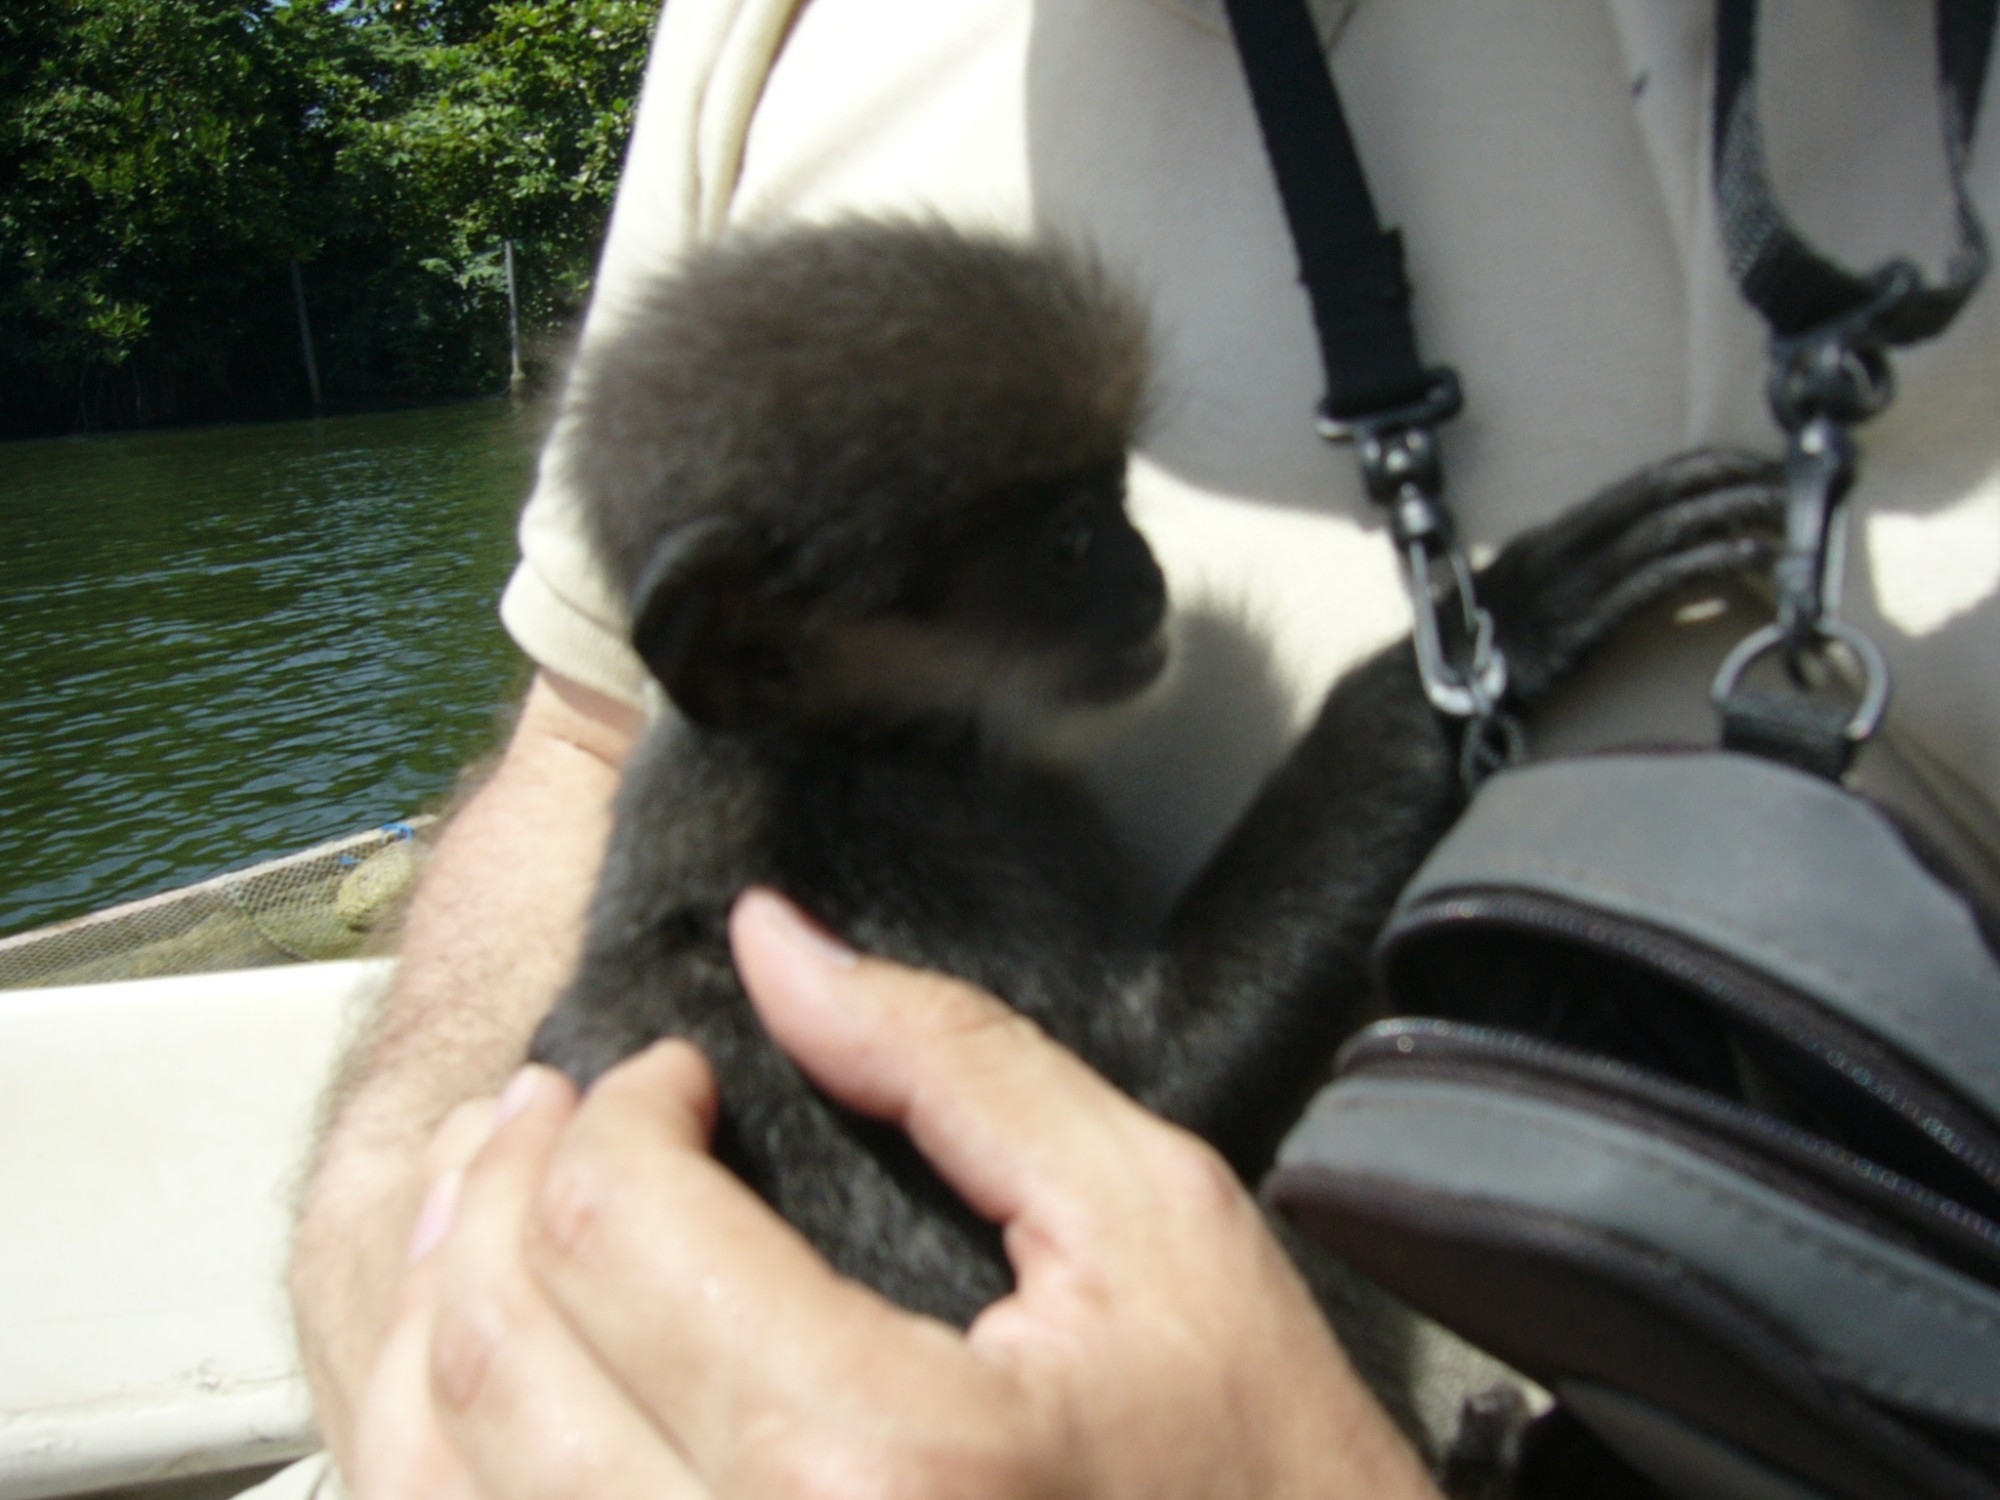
column 1831, row 329
column 1379, row 396
column 1793, row 286
column 1831, row 333
column 1351, row 266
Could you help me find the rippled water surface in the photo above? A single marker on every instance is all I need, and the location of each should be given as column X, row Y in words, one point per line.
column 226, row 644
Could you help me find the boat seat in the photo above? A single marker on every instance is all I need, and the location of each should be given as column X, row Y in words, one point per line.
column 152, row 1138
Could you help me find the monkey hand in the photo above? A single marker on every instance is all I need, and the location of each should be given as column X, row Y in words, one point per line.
column 610, row 1313
column 1559, row 590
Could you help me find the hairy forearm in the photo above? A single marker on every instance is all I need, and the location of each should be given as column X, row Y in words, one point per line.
column 490, row 939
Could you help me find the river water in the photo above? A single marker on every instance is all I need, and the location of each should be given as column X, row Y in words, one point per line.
column 226, row 644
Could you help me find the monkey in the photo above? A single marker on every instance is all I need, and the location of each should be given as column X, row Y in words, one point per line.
column 863, row 485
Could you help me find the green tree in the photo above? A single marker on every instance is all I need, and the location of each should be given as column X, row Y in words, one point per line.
column 164, row 162
column 517, row 132
column 147, row 166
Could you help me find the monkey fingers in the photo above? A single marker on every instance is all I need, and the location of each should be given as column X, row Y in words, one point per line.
column 1560, row 590
column 1593, row 527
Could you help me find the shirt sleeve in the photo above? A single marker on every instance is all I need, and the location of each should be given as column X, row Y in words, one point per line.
column 707, row 67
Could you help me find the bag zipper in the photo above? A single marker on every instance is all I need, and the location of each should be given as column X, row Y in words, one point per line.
column 1782, row 1156
column 1934, row 1124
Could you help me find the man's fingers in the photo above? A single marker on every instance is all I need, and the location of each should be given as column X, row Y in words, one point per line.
column 454, row 1143
column 534, row 1417
column 739, row 1337
column 399, row 1453
column 1013, row 1121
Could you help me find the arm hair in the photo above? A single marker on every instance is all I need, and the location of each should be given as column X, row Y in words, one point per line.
column 492, row 935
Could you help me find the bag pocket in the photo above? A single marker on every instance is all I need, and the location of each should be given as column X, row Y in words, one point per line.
column 1684, row 1264
column 1694, row 1116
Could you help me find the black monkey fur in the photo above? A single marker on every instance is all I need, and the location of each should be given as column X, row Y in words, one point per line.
column 863, row 485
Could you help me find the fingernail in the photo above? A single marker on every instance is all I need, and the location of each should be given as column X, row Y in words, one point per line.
column 435, row 1217
column 796, row 927
column 514, row 1098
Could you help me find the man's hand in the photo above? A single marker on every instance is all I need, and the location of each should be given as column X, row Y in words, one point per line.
column 491, row 936
column 611, row 1313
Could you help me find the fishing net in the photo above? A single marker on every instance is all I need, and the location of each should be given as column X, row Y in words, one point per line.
column 335, row 900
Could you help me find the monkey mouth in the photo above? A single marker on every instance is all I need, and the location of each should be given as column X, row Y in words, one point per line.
column 1108, row 676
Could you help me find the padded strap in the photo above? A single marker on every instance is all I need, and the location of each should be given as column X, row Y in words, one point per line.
column 1794, row 286
column 1352, row 268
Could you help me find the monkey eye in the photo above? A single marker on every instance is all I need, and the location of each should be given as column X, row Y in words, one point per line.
column 1071, row 534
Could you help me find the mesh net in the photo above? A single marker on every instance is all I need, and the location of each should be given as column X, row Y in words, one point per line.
column 334, row 900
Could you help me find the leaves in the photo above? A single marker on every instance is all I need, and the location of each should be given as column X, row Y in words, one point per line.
column 162, row 163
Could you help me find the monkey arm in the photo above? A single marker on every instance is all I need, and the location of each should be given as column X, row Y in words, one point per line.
column 491, row 937
column 1266, row 956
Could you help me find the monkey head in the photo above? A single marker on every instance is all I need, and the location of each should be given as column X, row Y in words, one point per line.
column 870, row 470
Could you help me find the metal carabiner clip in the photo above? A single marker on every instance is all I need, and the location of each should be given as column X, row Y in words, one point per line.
column 1819, row 471
column 1472, row 690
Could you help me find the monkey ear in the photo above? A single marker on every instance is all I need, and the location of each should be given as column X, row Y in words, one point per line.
column 707, row 628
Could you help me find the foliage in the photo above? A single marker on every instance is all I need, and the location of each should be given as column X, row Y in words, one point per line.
column 539, row 104
column 163, row 163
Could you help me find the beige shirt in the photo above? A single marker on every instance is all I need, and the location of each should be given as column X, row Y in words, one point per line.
column 1546, row 161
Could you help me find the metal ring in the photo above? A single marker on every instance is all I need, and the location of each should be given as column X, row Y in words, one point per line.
column 1868, row 713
